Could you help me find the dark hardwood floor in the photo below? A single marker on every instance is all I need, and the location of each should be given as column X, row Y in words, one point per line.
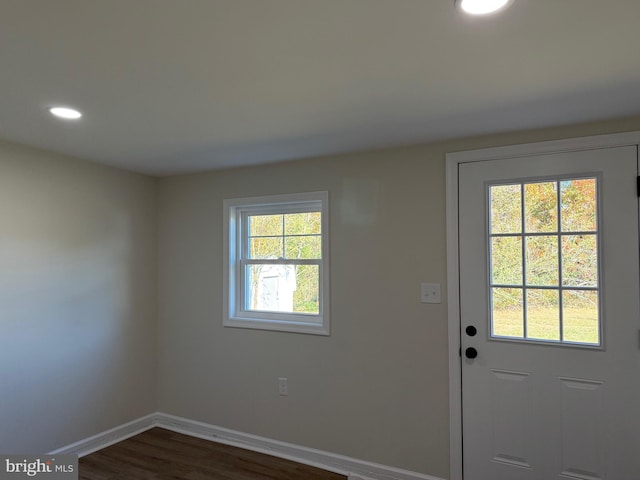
column 159, row 454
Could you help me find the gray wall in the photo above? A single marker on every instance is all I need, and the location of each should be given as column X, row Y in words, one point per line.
column 77, row 299
column 377, row 388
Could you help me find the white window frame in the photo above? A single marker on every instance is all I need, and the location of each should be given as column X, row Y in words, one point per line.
column 235, row 247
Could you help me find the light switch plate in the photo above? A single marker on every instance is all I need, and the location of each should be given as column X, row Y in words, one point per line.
column 430, row 293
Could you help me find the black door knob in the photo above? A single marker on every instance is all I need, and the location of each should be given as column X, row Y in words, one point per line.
column 471, row 352
column 471, row 330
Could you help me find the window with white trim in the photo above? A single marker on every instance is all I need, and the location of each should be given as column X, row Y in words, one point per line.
column 277, row 263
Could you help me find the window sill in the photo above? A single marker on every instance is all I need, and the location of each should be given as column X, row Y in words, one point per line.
column 279, row 326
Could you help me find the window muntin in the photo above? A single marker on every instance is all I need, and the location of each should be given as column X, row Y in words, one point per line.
column 277, row 275
column 544, row 261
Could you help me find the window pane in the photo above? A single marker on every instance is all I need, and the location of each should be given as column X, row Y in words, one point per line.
column 506, row 209
column 265, row 225
column 283, row 288
column 265, row 247
column 580, row 260
column 306, row 297
column 307, row 247
column 302, row 223
column 506, row 260
column 543, row 315
column 580, row 316
column 542, row 260
column 507, row 308
column 541, row 207
column 578, row 210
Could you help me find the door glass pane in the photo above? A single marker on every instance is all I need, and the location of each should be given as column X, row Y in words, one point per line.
column 542, row 260
column 507, row 314
column 580, row 260
column 554, row 265
column 543, row 314
column 541, row 207
column 578, row 209
column 506, row 260
column 580, row 313
column 506, row 209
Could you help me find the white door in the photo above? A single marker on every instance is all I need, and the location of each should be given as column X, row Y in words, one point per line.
column 549, row 281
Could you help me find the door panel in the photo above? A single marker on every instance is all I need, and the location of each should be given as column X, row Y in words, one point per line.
column 582, row 428
column 511, row 413
column 541, row 410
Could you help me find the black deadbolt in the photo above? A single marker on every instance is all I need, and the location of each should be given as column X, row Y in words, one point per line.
column 471, row 330
column 471, row 353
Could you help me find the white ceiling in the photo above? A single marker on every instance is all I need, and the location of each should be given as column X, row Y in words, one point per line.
column 174, row 86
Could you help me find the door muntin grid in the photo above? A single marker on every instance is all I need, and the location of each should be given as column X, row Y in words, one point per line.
column 544, row 261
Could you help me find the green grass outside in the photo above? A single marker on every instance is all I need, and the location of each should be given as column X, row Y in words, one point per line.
column 580, row 324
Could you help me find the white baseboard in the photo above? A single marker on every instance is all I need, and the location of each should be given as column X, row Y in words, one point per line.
column 353, row 468
column 105, row 439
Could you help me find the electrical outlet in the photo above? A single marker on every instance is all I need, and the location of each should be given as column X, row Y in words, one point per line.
column 283, row 387
column 430, row 293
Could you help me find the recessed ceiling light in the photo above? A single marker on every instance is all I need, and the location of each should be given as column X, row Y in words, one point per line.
column 65, row 112
column 481, row 7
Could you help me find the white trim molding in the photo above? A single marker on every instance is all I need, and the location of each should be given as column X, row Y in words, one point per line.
column 109, row 437
column 352, row 468
column 453, row 161
column 543, row 148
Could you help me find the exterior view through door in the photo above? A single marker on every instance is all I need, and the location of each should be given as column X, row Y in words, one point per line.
column 550, row 315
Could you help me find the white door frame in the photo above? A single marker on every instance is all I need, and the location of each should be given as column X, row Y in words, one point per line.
column 453, row 160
